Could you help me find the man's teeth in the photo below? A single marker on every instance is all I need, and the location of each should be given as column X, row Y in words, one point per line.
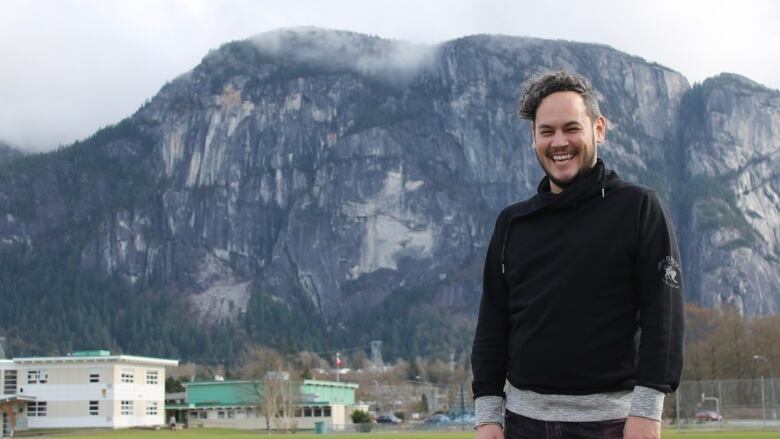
column 562, row 157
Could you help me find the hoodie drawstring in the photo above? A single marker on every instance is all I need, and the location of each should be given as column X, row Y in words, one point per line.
column 503, row 244
column 603, row 183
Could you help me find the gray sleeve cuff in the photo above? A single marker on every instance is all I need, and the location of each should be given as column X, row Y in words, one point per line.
column 489, row 410
column 647, row 403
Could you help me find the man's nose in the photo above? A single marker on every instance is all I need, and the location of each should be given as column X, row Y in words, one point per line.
column 559, row 139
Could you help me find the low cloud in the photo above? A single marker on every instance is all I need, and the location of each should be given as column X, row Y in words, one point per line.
column 390, row 60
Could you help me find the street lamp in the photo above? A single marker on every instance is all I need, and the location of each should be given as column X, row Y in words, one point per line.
column 771, row 381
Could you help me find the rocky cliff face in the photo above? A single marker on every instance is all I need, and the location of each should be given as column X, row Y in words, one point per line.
column 336, row 173
column 730, row 192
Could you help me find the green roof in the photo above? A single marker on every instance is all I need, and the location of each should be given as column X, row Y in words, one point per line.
column 243, row 392
column 99, row 353
column 223, row 392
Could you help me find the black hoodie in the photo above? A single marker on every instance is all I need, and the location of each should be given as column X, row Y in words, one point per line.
column 582, row 293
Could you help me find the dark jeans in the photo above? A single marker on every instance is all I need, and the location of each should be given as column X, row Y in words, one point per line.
column 520, row 427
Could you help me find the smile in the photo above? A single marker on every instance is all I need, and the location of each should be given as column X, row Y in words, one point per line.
column 558, row 158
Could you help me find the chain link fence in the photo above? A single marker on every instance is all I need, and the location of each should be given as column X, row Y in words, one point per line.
column 713, row 404
column 745, row 403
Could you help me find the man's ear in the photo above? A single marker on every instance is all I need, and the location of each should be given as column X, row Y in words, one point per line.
column 601, row 129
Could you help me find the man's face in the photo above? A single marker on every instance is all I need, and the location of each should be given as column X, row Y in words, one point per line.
column 565, row 137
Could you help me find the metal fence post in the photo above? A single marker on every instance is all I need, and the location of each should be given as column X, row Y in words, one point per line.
column 720, row 403
column 677, row 399
column 763, row 405
column 774, row 400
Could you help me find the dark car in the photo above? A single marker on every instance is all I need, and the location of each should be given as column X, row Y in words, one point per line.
column 388, row 419
column 465, row 419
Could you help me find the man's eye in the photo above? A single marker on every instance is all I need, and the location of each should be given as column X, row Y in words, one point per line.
column 545, row 132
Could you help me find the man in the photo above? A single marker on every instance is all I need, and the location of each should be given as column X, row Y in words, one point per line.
column 582, row 310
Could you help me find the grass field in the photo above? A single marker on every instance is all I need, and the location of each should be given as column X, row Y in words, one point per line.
column 240, row 434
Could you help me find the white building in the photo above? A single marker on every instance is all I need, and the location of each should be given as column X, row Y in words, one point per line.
column 85, row 389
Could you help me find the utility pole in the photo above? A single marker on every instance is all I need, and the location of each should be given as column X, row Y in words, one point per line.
column 338, row 367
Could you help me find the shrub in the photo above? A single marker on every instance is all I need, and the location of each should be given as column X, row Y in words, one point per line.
column 360, row 417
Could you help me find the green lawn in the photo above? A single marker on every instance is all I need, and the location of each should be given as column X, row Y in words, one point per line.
column 721, row 434
column 239, row 434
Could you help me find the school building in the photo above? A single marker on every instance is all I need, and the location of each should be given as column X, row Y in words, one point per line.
column 82, row 390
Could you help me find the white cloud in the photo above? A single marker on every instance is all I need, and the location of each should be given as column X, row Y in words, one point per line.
column 72, row 66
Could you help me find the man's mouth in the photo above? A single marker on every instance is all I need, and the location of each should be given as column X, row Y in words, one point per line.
column 560, row 158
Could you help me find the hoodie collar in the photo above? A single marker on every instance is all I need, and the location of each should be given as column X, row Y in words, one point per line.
column 585, row 186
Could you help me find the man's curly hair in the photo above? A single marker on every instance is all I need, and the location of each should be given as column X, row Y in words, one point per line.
column 540, row 86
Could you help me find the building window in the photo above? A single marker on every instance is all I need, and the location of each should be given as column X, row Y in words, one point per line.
column 231, row 414
column 203, row 415
column 199, row 414
column 317, row 412
column 9, row 385
column 152, row 377
column 94, row 408
column 94, row 378
column 298, row 412
column 37, row 377
column 37, row 408
column 126, row 408
column 128, row 376
column 220, row 415
column 307, row 412
column 326, row 411
column 151, row 408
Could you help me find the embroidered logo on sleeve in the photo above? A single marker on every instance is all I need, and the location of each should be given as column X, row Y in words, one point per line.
column 671, row 271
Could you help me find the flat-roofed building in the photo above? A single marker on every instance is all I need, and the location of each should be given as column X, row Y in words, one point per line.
column 239, row 404
column 86, row 389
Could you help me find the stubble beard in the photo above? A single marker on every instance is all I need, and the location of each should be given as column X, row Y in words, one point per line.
column 587, row 164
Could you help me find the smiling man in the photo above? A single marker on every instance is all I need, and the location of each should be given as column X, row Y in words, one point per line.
column 580, row 325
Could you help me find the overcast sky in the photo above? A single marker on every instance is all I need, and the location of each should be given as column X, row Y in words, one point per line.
column 69, row 67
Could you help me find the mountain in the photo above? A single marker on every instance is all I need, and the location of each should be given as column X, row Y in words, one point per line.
column 313, row 189
column 729, row 192
column 8, row 152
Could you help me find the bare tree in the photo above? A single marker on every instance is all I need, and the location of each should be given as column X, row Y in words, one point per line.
column 287, row 396
column 271, row 390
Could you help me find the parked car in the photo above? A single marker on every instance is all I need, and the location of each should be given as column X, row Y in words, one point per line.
column 388, row 418
column 466, row 419
column 707, row 416
column 438, row 418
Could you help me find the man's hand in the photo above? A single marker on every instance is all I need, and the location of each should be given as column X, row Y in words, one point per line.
column 641, row 428
column 490, row 431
